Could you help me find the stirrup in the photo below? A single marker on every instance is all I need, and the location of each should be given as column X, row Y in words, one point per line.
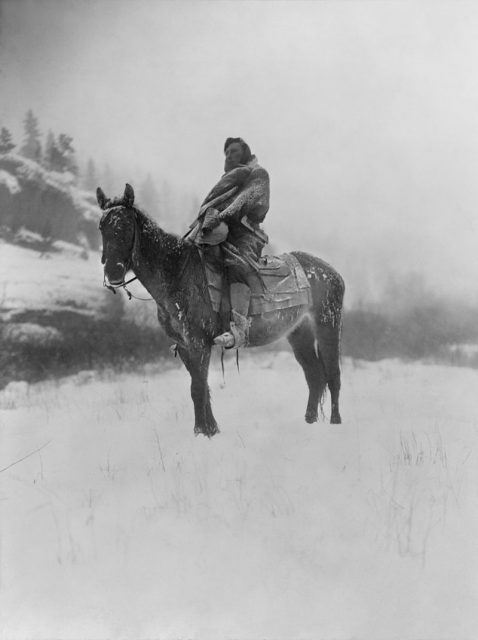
column 236, row 338
column 225, row 340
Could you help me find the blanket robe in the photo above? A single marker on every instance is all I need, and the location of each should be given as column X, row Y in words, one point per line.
column 243, row 191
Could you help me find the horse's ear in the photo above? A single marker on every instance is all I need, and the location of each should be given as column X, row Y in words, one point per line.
column 128, row 195
column 100, row 196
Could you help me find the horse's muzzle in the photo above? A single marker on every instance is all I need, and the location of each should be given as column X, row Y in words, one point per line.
column 114, row 273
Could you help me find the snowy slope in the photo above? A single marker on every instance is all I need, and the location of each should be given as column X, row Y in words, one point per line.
column 66, row 278
column 57, row 318
column 53, row 281
column 17, row 170
column 124, row 525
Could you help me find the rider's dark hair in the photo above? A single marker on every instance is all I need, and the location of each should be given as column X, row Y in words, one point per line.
column 246, row 151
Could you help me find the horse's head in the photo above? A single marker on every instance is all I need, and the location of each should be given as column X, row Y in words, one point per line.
column 118, row 227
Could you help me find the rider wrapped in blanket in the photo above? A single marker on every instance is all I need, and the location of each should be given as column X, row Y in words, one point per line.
column 239, row 200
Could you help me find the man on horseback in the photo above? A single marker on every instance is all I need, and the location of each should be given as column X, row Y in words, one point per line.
column 297, row 295
column 232, row 211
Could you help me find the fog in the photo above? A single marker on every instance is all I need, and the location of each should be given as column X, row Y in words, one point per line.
column 364, row 113
column 117, row 521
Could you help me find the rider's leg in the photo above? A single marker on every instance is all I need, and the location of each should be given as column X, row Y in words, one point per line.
column 239, row 328
column 240, row 273
column 240, row 298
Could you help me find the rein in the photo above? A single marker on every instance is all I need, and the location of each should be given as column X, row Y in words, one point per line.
column 122, row 285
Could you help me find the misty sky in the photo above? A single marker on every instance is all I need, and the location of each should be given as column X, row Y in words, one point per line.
column 364, row 113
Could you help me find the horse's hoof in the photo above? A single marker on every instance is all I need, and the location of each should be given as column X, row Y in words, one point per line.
column 335, row 420
column 209, row 433
column 310, row 418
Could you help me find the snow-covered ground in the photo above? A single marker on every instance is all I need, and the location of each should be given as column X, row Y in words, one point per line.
column 32, row 280
column 122, row 524
column 67, row 278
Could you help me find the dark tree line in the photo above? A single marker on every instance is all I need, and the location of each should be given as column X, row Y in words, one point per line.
column 6, row 142
column 56, row 153
column 53, row 152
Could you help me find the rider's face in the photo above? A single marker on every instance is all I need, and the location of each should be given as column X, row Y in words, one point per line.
column 233, row 155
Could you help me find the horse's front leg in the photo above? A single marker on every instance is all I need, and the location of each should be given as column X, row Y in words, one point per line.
column 197, row 363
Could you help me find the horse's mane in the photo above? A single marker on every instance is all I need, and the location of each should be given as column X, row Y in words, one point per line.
column 156, row 238
column 180, row 258
column 151, row 227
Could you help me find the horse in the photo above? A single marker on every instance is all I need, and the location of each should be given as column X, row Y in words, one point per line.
column 171, row 270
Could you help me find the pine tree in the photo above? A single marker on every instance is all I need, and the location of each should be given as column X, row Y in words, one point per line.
column 59, row 154
column 90, row 179
column 149, row 197
column 185, row 209
column 53, row 159
column 49, row 151
column 6, row 143
column 107, row 180
column 67, row 154
column 32, row 146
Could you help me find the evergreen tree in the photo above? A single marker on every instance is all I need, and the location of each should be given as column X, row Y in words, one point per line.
column 67, row 154
column 185, row 208
column 175, row 208
column 107, row 180
column 59, row 154
column 6, row 143
column 32, row 145
column 149, row 197
column 90, row 179
column 53, row 159
column 50, row 151
column 112, row 181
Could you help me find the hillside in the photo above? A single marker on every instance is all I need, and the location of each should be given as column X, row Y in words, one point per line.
column 57, row 318
column 45, row 202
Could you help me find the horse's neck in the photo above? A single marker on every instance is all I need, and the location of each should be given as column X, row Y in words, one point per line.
column 157, row 255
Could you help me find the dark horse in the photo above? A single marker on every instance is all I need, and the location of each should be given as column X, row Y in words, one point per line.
column 170, row 268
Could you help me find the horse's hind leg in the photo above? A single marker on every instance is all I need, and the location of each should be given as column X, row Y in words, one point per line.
column 327, row 288
column 302, row 341
column 328, row 338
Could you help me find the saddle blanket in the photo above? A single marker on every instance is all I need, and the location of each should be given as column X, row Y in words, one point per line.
column 281, row 284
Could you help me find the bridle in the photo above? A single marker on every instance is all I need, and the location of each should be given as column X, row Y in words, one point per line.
column 122, row 285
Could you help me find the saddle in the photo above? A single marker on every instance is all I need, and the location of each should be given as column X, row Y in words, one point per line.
column 279, row 283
